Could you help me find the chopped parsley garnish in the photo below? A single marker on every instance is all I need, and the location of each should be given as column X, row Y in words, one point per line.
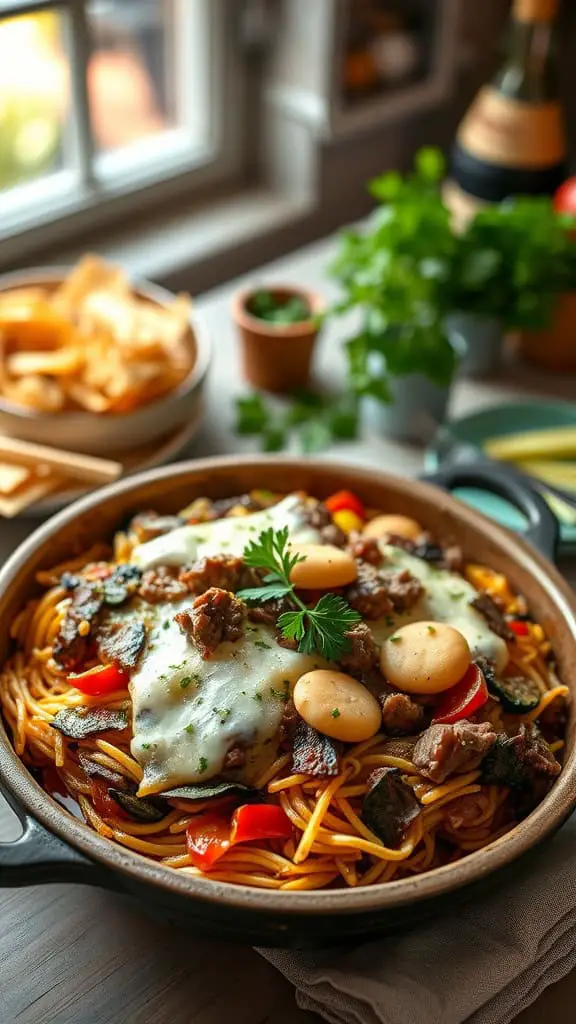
column 456, row 595
column 185, row 682
column 262, row 645
column 280, row 694
column 394, row 639
column 189, row 728
column 257, row 696
column 223, row 713
column 145, row 746
column 389, row 620
column 335, row 713
column 431, row 629
column 317, row 630
column 166, row 624
column 202, row 765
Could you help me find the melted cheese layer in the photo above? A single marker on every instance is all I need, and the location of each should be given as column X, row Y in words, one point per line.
column 189, row 712
column 446, row 599
column 224, row 536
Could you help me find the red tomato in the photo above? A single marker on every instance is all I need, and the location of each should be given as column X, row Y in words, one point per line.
column 100, row 680
column 345, row 500
column 519, row 628
column 105, row 804
column 259, row 821
column 207, row 839
column 460, row 701
column 565, row 197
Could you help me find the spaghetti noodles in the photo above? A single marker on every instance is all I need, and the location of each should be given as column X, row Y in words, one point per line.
column 329, row 842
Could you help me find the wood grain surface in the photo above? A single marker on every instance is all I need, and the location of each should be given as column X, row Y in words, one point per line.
column 75, row 955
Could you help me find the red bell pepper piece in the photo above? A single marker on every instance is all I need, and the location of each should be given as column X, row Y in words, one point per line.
column 100, row 680
column 105, row 804
column 207, row 839
column 259, row 821
column 519, row 628
column 345, row 500
column 460, row 701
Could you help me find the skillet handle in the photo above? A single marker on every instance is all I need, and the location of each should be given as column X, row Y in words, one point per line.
column 542, row 529
column 37, row 857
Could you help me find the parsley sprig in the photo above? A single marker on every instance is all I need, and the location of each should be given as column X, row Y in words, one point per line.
column 317, row 630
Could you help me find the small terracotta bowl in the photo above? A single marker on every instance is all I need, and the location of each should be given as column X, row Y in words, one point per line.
column 276, row 357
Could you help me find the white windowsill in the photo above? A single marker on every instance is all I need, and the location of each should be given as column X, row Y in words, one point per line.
column 171, row 247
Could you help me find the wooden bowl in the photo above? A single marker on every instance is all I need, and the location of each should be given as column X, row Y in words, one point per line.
column 104, row 433
column 56, row 846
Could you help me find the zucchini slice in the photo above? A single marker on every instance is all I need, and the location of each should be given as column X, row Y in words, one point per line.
column 518, row 694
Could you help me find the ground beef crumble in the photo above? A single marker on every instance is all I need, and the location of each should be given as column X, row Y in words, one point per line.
column 214, row 617
column 365, row 549
column 161, row 584
column 227, row 572
column 375, row 593
column 490, row 611
column 401, row 715
column 363, row 653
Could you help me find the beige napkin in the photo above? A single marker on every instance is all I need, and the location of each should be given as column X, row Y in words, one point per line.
column 482, row 963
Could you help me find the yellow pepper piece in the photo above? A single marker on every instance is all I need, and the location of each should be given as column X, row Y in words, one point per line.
column 348, row 521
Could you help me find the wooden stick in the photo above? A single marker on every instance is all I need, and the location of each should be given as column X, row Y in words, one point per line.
column 71, row 464
column 37, row 489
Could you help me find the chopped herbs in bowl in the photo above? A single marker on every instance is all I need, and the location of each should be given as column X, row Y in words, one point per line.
column 278, row 307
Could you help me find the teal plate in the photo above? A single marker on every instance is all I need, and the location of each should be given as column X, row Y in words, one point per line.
column 497, row 420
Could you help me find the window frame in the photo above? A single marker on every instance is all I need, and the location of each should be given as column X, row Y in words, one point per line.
column 105, row 188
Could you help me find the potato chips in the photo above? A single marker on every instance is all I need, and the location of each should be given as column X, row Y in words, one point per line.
column 91, row 343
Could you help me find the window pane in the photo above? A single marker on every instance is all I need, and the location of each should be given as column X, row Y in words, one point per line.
column 131, row 92
column 34, row 97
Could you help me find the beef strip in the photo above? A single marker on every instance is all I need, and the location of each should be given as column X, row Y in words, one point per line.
column 227, row 572
column 222, row 506
column 365, row 549
column 403, row 589
column 490, row 611
column 444, row 556
column 71, row 648
column 368, row 594
column 363, row 653
column 519, row 760
column 161, row 584
column 214, row 617
column 445, row 750
column 401, row 715
column 148, row 525
column 121, row 643
column 454, row 558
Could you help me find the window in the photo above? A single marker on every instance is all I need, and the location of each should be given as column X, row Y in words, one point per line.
column 102, row 101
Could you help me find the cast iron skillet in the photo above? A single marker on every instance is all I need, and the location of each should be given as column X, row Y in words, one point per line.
column 55, row 846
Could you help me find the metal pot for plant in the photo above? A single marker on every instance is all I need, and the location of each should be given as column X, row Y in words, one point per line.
column 479, row 338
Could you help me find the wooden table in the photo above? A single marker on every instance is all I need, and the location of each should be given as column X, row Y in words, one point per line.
column 73, row 955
